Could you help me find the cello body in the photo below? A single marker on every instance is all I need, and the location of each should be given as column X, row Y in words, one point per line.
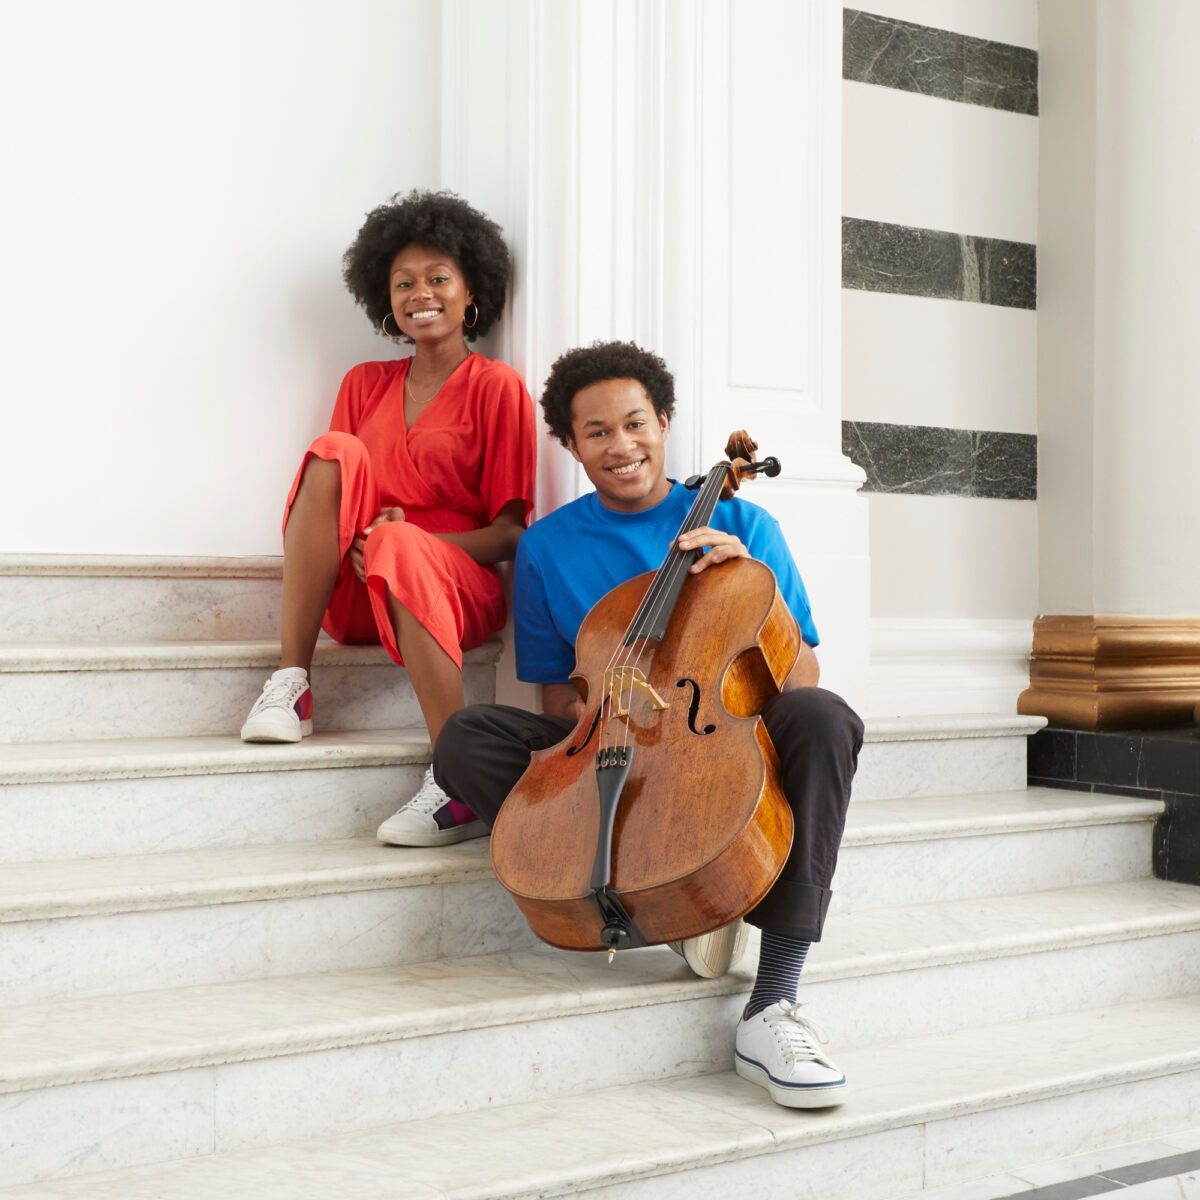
column 701, row 829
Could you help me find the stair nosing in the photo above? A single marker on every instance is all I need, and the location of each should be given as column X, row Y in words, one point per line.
column 53, row 658
column 396, row 747
column 546, row 1003
column 420, row 867
column 135, row 566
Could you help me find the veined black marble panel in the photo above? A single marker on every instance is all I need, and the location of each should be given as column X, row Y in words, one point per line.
column 1177, row 840
column 1050, row 754
column 881, row 257
column 1004, row 465
column 936, row 62
column 926, row 460
column 1151, row 764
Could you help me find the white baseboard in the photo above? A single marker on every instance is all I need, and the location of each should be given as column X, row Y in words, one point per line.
column 922, row 666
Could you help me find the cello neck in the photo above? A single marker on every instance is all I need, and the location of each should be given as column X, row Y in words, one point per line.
column 654, row 613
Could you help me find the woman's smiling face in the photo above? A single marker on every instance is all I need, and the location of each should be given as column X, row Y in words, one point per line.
column 428, row 292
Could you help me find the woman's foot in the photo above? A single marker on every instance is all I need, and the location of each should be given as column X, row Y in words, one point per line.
column 431, row 818
column 283, row 713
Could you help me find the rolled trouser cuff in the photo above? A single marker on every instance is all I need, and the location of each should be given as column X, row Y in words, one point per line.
column 796, row 910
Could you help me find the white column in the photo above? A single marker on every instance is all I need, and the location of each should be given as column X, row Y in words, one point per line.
column 1119, row 245
column 669, row 172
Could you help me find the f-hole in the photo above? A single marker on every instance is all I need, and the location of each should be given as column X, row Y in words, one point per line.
column 694, row 707
column 591, row 730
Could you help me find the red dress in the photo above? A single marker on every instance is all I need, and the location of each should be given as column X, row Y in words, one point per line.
column 467, row 455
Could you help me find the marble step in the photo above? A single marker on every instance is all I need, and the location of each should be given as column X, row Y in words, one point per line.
column 53, row 692
column 126, row 796
column 925, row 1111
column 305, row 1056
column 73, row 927
column 51, row 597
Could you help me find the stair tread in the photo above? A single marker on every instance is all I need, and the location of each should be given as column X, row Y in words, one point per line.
column 175, row 878
column 116, row 1035
column 137, row 758
column 167, row 654
column 680, row 1123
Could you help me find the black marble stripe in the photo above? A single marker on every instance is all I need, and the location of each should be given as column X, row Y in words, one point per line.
column 936, row 62
column 925, row 460
column 1104, row 1182
column 880, row 257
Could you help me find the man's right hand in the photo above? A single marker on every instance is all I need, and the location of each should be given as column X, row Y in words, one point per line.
column 562, row 700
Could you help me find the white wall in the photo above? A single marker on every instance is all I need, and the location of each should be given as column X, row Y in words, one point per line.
column 1117, row 338
column 1011, row 21
column 1066, row 279
column 181, row 186
column 1147, row 308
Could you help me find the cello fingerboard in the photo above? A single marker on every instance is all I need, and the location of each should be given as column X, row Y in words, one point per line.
column 654, row 613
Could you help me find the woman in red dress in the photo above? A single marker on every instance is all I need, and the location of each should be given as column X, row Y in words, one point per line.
column 423, row 483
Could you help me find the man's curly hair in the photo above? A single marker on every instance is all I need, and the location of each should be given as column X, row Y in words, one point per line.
column 579, row 368
column 442, row 221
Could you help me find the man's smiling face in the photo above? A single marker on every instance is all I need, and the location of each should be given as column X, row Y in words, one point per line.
column 619, row 439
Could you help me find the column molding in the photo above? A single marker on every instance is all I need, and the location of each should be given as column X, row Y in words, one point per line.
column 646, row 199
column 1104, row 672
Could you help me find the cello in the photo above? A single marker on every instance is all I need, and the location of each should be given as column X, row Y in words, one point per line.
column 660, row 816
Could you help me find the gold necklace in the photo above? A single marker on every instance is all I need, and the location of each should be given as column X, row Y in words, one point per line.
column 412, row 397
column 433, row 395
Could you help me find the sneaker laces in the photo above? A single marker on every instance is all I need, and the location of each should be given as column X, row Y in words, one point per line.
column 797, row 1035
column 429, row 797
column 280, row 693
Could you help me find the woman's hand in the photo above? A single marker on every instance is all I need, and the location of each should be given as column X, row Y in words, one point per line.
column 359, row 544
column 722, row 547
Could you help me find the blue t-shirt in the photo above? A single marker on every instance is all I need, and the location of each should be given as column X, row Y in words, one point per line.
column 576, row 554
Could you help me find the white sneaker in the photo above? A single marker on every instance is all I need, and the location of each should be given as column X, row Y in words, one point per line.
column 777, row 1049
column 712, row 955
column 427, row 820
column 283, row 713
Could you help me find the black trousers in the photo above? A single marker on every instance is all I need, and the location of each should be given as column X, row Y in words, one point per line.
column 484, row 749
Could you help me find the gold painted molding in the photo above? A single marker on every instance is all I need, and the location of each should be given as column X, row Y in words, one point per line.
column 1095, row 672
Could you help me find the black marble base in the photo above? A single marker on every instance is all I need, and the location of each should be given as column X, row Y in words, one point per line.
column 1156, row 764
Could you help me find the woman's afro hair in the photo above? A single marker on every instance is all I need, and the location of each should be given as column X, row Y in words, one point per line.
column 586, row 365
column 442, row 221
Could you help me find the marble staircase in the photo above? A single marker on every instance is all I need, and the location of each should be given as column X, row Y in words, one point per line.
column 214, row 982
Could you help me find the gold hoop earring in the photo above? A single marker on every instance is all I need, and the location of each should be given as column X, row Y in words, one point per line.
column 475, row 319
column 395, row 337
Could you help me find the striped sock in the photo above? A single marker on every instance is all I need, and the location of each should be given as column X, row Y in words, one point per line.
column 780, row 961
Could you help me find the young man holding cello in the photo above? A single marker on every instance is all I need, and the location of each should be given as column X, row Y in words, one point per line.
column 610, row 405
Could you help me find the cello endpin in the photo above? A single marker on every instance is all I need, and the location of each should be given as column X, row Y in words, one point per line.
column 612, row 953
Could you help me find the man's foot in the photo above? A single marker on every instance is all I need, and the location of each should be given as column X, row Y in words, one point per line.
column 711, row 955
column 778, row 1049
column 283, row 713
column 431, row 818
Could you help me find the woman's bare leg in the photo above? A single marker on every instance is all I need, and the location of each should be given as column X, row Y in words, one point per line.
column 436, row 679
column 310, row 561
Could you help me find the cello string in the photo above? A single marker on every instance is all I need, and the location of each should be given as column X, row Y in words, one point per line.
column 668, row 573
column 676, row 561
column 654, row 605
column 655, row 594
column 630, row 653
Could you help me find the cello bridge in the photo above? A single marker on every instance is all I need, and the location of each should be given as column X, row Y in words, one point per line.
column 617, row 679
